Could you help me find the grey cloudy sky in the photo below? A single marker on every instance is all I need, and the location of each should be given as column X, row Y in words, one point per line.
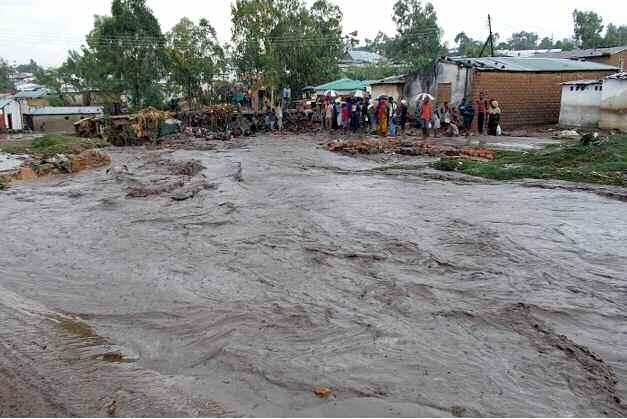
column 46, row 29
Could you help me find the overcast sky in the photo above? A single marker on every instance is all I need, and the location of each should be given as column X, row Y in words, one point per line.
column 45, row 29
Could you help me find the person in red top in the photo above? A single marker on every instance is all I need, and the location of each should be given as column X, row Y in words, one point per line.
column 426, row 115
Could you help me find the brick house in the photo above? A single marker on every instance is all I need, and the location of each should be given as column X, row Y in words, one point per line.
column 527, row 89
column 614, row 56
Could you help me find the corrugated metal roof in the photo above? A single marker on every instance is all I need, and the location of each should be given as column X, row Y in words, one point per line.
column 580, row 82
column 343, row 85
column 5, row 102
column 65, row 110
column 584, row 53
column 31, row 94
column 618, row 76
column 532, row 64
column 391, row 80
column 362, row 57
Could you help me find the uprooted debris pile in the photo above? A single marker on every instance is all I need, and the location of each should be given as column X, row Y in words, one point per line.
column 377, row 146
column 57, row 164
column 179, row 180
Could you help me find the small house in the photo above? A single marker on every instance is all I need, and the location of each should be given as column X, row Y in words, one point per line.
column 581, row 103
column 390, row 86
column 58, row 118
column 10, row 115
column 614, row 102
column 528, row 89
column 614, row 56
column 358, row 58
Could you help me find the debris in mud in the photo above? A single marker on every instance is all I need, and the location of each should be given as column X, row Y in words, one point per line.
column 187, row 168
column 375, row 146
column 191, row 190
column 458, row 411
column 111, row 408
column 322, row 392
column 113, row 357
column 154, row 189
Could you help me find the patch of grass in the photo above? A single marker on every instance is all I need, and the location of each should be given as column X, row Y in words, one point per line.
column 604, row 163
column 51, row 144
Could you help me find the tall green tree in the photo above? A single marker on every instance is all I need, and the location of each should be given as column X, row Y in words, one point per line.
column 523, row 40
column 615, row 35
column 5, row 72
column 417, row 42
column 467, row 46
column 286, row 42
column 380, row 44
column 31, row 67
column 546, row 43
column 194, row 57
column 565, row 44
column 588, row 28
column 124, row 54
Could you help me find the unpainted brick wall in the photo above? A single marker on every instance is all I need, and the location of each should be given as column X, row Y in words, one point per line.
column 526, row 98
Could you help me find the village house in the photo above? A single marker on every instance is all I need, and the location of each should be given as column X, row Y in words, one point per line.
column 614, row 102
column 358, row 58
column 390, row 86
column 58, row 118
column 614, row 56
column 10, row 114
column 527, row 89
column 581, row 103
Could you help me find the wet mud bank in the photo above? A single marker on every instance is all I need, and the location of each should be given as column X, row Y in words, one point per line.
column 237, row 280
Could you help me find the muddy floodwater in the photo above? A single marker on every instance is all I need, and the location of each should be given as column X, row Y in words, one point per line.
column 238, row 285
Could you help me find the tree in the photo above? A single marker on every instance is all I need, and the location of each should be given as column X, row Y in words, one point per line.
column 523, row 40
column 31, row 67
column 467, row 46
column 124, row 55
column 546, row 43
column 380, row 44
column 285, row 42
column 5, row 72
column 615, row 35
column 588, row 28
column 194, row 57
column 416, row 45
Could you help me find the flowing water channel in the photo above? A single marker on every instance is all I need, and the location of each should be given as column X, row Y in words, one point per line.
column 404, row 293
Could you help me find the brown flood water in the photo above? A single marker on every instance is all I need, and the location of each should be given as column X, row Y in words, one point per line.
column 294, row 268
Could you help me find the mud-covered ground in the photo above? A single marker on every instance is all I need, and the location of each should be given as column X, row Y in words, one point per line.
column 162, row 288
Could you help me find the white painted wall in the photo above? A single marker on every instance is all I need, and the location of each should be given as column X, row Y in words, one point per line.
column 457, row 76
column 13, row 109
column 614, row 105
column 580, row 105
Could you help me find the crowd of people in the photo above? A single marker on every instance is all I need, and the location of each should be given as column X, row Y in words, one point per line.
column 388, row 117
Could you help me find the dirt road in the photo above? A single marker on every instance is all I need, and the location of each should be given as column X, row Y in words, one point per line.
column 292, row 268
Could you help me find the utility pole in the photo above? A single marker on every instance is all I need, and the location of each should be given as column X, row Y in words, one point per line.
column 490, row 40
column 491, row 37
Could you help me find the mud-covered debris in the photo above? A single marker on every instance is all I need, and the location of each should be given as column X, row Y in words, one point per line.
column 187, row 168
column 112, row 408
column 191, row 190
column 89, row 158
column 322, row 392
column 238, row 173
column 154, row 189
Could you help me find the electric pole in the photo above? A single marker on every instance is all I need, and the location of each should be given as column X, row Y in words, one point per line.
column 490, row 40
column 491, row 37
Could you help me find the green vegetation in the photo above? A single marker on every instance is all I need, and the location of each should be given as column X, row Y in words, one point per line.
column 54, row 144
column 604, row 162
